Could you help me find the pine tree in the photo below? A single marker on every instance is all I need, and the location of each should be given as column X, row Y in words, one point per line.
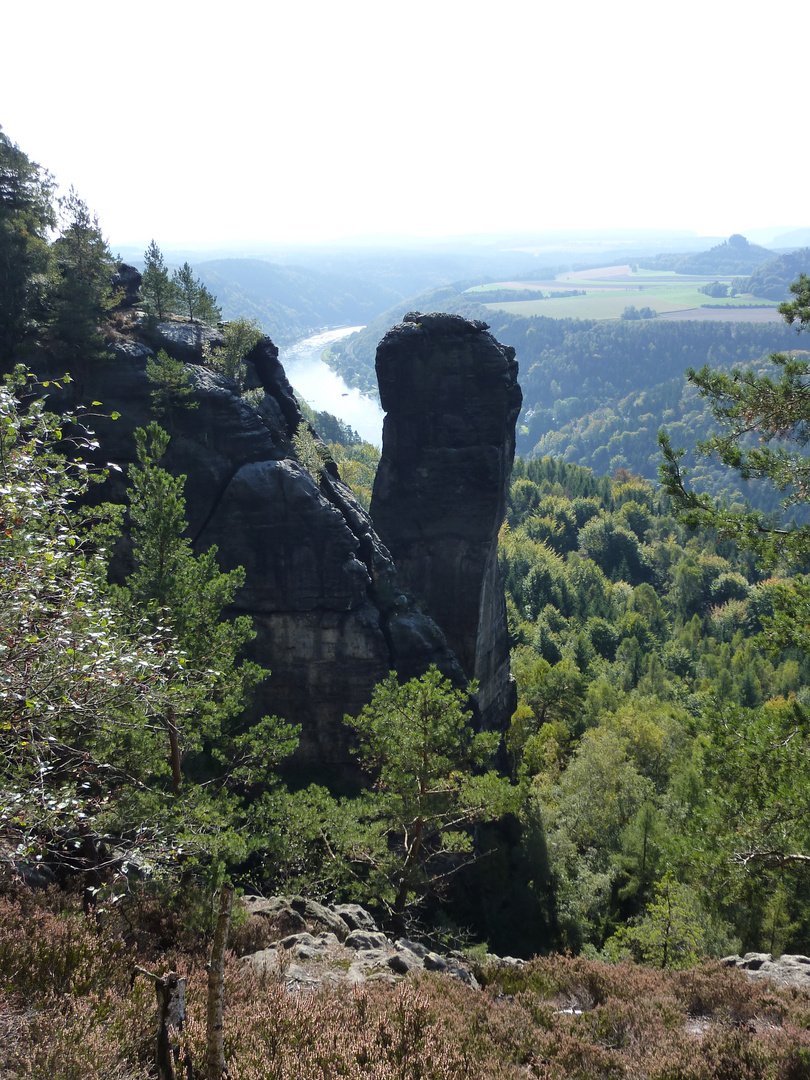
column 82, row 295
column 159, row 292
column 195, row 297
column 185, row 595
column 418, row 740
column 171, row 388
column 26, row 215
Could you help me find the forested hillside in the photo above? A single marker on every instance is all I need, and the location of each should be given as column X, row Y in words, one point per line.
column 733, row 256
column 645, row 697
column 772, row 279
column 596, row 393
column 290, row 302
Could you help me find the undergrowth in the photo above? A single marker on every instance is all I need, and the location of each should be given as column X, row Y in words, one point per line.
column 73, row 1007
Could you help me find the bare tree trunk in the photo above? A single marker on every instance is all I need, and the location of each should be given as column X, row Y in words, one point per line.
column 174, row 752
column 215, row 1055
column 171, row 1004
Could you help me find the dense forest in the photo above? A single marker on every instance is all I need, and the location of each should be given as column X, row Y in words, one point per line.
column 649, row 801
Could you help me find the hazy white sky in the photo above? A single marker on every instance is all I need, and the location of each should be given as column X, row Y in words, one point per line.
column 248, row 121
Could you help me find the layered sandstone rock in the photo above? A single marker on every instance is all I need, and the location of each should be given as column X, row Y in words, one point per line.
column 321, row 587
column 451, row 398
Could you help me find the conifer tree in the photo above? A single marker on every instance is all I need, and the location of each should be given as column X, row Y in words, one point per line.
column 26, row 215
column 195, row 297
column 185, row 595
column 82, row 294
column 419, row 741
column 159, row 292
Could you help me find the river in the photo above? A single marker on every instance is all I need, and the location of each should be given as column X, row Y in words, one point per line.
column 325, row 391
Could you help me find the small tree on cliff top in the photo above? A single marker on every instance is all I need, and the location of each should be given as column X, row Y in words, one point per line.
column 159, row 292
column 194, row 296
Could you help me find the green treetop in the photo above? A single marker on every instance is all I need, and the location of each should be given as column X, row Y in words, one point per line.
column 159, row 292
column 418, row 740
column 194, row 296
column 26, row 215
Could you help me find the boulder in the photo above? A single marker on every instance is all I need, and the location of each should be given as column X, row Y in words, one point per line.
column 788, row 970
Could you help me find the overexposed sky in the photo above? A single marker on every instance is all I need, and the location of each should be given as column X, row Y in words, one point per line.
column 195, row 122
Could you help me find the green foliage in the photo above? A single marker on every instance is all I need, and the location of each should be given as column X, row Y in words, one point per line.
column 772, row 279
column 160, row 293
column 716, row 289
column 309, row 451
column 108, row 696
column 418, row 740
column 185, row 595
column 358, row 467
column 240, row 338
column 619, row 691
column 81, row 295
column 171, row 387
column 799, row 308
column 777, row 411
column 671, row 934
column 78, row 692
column 26, row 215
column 194, row 296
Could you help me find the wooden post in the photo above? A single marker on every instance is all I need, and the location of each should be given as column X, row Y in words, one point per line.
column 171, row 1003
column 215, row 1055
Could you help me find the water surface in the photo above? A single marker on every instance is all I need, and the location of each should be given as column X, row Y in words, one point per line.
column 325, row 391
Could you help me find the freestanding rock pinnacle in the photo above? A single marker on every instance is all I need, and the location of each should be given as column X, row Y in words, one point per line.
column 451, row 398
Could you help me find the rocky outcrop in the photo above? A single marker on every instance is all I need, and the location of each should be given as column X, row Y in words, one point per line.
column 309, row 945
column 788, row 970
column 321, row 587
column 451, row 398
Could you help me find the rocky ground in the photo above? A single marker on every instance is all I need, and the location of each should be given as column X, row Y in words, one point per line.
column 309, row 945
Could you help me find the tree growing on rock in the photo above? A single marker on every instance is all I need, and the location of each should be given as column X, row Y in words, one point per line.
column 418, row 740
column 26, row 215
column 159, row 291
column 195, row 297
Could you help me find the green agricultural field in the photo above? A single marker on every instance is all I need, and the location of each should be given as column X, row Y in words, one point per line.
column 608, row 293
column 596, row 305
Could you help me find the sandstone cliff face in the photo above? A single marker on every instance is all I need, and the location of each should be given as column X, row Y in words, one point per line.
column 320, row 585
column 452, row 399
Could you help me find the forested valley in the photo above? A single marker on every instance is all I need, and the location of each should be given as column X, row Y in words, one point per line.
column 647, row 807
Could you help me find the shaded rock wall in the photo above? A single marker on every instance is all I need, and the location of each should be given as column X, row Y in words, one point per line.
column 321, row 587
column 451, row 398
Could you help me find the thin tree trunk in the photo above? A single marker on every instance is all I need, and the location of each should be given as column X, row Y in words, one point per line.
column 174, row 752
column 215, row 1055
column 171, row 1005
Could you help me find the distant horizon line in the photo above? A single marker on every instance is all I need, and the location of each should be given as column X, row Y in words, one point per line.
column 603, row 235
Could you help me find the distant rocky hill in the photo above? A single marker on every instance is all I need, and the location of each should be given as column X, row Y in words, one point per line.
column 734, row 256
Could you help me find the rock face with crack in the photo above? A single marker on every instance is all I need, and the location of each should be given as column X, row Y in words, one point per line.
column 320, row 585
column 451, row 398
column 328, row 603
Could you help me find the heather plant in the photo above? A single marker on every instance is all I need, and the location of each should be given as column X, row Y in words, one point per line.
column 70, row 1009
